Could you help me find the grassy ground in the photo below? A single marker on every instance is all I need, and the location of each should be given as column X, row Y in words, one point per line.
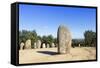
column 50, row 55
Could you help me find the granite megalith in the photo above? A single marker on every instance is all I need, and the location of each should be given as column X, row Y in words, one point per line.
column 79, row 45
column 64, row 40
column 38, row 43
column 35, row 46
column 43, row 45
column 53, row 45
column 28, row 44
column 48, row 46
column 21, row 45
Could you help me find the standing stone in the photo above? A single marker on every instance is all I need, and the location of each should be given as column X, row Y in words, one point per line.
column 35, row 45
column 64, row 40
column 48, row 46
column 43, row 45
column 79, row 45
column 28, row 44
column 53, row 45
column 38, row 44
column 21, row 46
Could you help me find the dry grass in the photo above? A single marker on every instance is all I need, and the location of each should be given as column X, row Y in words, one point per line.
column 50, row 55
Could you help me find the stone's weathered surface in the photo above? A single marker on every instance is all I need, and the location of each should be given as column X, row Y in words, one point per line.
column 28, row 44
column 38, row 44
column 43, row 45
column 53, row 45
column 48, row 46
column 64, row 40
column 35, row 46
column 21, row 46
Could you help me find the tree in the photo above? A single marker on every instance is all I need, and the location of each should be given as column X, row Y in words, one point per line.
column 34, row 34
column 39, row 37
column 55, row 40
column 90, row 38
column 44, row 39
column 50, row 39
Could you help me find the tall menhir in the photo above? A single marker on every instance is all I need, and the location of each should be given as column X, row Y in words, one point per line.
column 64, row 40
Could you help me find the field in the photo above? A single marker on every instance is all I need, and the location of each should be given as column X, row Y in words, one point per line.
column 50, row 55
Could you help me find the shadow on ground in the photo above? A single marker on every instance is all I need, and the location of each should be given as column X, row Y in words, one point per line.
column 48, row 52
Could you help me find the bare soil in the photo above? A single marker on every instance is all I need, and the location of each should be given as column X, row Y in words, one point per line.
column 50, row 55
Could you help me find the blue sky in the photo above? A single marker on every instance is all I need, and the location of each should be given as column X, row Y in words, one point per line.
column 46, row 19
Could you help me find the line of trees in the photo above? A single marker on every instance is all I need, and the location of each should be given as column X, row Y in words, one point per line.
column 88, row 41
column 76, row 42
column 24, row 35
